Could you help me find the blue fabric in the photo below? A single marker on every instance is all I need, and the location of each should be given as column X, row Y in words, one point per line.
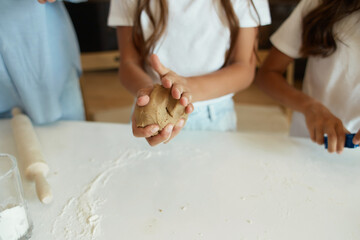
column 39, row 61
column 219, row 116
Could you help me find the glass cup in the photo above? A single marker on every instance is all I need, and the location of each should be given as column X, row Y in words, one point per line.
column 15, row 223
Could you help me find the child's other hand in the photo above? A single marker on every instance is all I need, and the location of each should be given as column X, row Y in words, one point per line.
column 143, row 98
column 356, row 139
column 178, row 84
column 44, row 1
column 321, row 121
column 151, row 132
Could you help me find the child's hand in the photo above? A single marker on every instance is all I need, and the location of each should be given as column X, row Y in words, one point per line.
column 44, row 1
column 321, row 121
column 356, row 139
column 143, row 98
column 178, row 84
column 150, row 133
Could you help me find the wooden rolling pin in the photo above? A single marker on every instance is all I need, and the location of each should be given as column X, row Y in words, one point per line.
column 28, row 148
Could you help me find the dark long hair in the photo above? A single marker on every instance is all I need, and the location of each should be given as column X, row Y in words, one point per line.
column 318, row 37
column 146, row 47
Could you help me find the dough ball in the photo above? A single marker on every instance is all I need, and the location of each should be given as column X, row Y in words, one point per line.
column 162, row 109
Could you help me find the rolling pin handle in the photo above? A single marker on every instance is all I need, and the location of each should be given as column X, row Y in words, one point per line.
column 16, row 111
column 43, row 189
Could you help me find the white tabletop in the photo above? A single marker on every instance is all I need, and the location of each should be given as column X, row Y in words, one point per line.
column 203, row 185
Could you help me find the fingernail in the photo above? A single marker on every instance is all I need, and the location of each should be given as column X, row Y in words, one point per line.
column 154, row 129
column 169, row 128
column 180, row 123
column 178, row 93
column 138, row 101
column 185, row 102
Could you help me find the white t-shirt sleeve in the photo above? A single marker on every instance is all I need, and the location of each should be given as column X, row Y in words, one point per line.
column 249, row 17
column 122, row 12
column 288, row 38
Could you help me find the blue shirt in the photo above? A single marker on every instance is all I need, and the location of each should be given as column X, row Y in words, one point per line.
column 39, row 61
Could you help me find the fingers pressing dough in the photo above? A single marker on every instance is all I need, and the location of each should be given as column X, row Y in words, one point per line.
column 162, row 109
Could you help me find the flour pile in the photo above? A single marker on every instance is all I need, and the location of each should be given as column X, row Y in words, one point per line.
column 14, row 223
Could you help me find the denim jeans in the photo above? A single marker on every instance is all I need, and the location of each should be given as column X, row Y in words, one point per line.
column 219, row 116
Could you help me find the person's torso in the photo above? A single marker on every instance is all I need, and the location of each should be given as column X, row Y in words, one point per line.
column 38, row 54
column 196, row 37
column 335, row 80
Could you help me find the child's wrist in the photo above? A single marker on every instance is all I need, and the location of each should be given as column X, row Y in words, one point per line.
column 193, row 87
column 146, row 85
column 308, row 104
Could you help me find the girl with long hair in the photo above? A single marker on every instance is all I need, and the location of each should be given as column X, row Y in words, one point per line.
column 203, row 50
column 327, row 33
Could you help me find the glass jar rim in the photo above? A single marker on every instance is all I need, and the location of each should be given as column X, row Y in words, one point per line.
column 13, row 164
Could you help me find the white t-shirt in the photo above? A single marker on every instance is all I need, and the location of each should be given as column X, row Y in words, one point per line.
column 334, row 80
column 197, row 35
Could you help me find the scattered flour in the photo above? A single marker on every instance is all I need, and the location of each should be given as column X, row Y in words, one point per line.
column 183, row 208
column 78, row 218
column 14, row 223
column 249, row 221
